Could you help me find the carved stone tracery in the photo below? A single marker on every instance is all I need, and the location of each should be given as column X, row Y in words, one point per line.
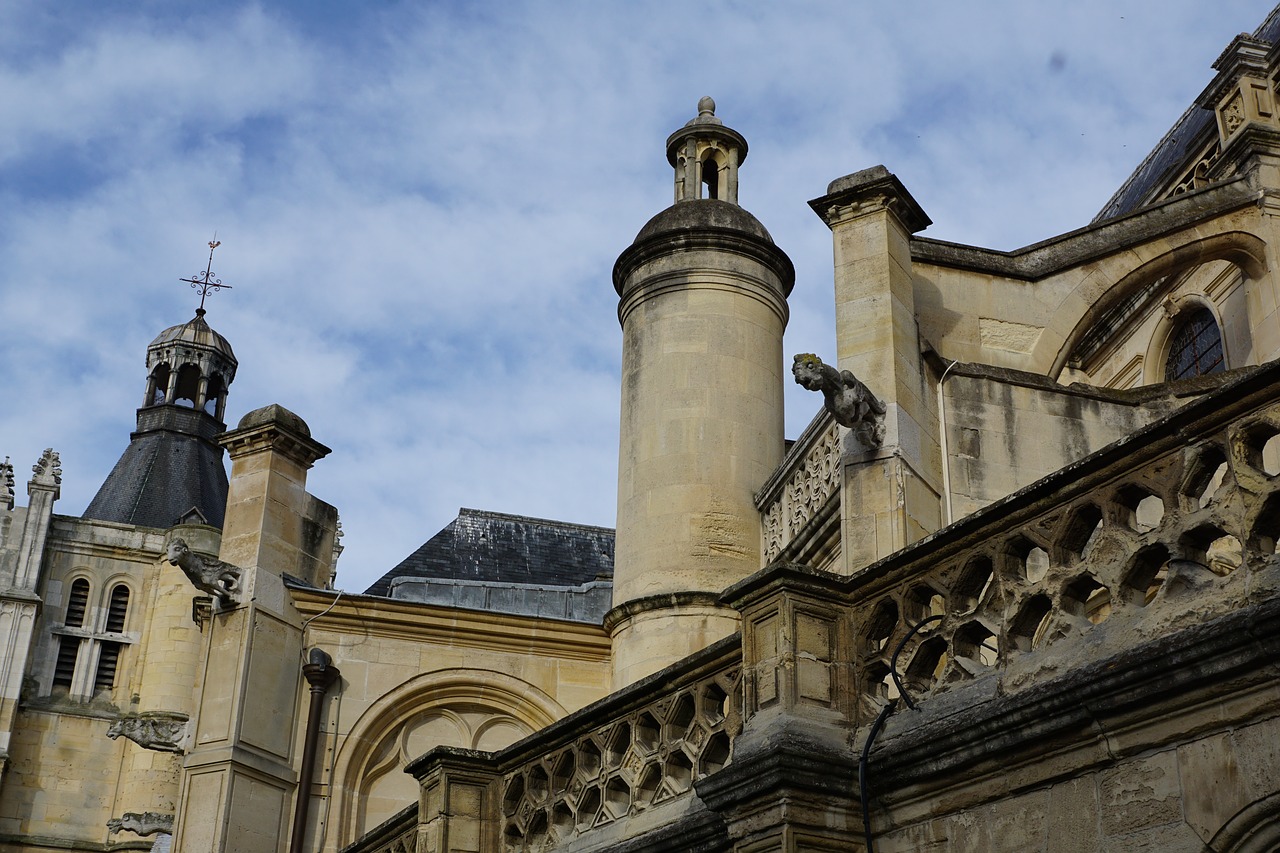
column 811, row 484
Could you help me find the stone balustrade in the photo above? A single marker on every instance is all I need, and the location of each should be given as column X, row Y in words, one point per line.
column 639, row 749
column 1101, row 555
column 623, row 765
column 805, row 487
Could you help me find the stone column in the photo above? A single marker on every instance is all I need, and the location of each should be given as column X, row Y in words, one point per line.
column 238, row 778
column 891, row 493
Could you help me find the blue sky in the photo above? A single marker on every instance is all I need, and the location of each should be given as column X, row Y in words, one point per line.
column 420, row 203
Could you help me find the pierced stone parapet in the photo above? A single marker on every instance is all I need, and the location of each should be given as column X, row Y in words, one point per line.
column 805, row 486
column 651, row 755
column 1180, row 528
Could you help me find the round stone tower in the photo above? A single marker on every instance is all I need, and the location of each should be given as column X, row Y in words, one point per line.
column 703, row 305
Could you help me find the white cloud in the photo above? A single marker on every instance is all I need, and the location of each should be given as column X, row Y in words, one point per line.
column 420, row 204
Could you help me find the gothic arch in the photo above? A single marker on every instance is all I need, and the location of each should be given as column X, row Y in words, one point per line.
column 1237, row 247
column 468, row 706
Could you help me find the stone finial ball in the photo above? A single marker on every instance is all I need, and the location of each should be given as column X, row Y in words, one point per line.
column 706, row 106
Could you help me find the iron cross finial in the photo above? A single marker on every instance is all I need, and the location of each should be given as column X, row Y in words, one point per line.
column 207, row 281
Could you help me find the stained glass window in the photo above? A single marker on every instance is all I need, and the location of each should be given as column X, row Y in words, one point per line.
column 1196, row 347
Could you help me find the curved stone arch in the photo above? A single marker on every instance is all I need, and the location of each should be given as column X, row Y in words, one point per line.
column 373, row 746
column 1253, row 829
column 1244, row 250
column 58, row 607
column 1153, row 360
column 102, row 598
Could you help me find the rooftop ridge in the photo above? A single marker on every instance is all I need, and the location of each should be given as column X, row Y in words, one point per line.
column 550, row 522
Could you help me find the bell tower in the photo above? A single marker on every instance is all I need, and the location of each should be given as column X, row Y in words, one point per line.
column 172, row 471
column 703, row 305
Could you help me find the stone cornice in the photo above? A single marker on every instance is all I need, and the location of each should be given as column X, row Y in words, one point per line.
column 863, row 192
column 427, row 623
column 662, row 601
column 290, row 443
column 709, row 238
column 1246, row 56
column 1048, row 257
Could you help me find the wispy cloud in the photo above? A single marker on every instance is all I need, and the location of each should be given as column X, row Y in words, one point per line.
column 420, row 204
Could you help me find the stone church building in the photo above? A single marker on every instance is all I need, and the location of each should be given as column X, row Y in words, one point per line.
column 1013, row 589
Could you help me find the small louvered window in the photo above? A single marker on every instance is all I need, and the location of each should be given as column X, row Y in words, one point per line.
column 77, row 603
column 109, row 655
column 108, row 658
column 117, row 608
column 64, row 669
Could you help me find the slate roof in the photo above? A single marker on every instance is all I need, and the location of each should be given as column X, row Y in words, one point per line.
column 1192, row 131
column 171, row 468
column 494, row 547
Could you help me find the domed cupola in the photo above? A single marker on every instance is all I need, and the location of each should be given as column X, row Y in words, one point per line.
column 172, row 471
column 706, row 156
column 190, row 365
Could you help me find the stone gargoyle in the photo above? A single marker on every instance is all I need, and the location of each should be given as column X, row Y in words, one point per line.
column 219, row 579
column 844, row 396
column 145, row 823
column 161, row 731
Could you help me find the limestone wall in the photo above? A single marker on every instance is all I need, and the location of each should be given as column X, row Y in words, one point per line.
column 66, row 778
column 415, row 676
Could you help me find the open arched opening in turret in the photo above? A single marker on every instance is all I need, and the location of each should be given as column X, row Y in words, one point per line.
column 188, row 386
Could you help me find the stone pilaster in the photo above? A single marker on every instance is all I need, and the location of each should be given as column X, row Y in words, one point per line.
column 238, row 778
column 891, row 493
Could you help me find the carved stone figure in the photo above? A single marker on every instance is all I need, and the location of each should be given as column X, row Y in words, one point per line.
column 158, row 731
column 146, row 823
column 844, row 396
column 219, row 579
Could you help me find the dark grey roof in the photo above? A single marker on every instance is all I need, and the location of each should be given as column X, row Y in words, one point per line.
column 1191, row 132
column 171, row 471
column 498, row 548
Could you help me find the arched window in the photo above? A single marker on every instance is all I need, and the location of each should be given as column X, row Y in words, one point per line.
column 64, row 668
column 159, row 385
column 214, row 395
column 108, row 658
column 188, row 386
column 89, row 643
column 711, row 176
column 1195, row 347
